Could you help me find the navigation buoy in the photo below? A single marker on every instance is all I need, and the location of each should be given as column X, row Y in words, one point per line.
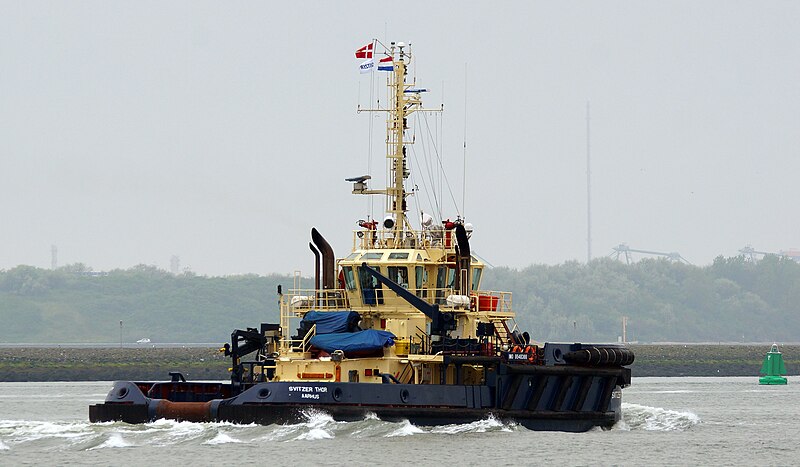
column 773, row 368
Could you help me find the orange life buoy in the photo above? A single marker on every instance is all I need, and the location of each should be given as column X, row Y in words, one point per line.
column 533, row 352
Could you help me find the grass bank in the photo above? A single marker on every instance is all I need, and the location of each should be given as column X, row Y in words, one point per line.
column 199, row 363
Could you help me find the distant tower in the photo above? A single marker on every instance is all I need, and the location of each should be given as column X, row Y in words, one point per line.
column 53, row 257
column 588, row 189
column 624, row 329
column 175, row 264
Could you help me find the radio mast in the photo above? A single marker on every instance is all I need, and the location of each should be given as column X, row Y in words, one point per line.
column 588, row 189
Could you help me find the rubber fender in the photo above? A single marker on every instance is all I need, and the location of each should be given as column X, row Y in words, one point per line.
column 600, row 356
column 186, row 411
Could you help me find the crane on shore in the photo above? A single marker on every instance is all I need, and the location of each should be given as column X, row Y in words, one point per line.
column 753, row 255
column 624, row 250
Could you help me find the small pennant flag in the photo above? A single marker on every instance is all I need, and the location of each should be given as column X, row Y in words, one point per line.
column 386, row 64
column 366, row 51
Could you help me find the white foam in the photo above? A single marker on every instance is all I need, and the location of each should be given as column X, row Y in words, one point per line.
column 317, row 418
column 315, row 434
column 222, row 438
column 405, row 429
column 641, row 417
column 280, row 433
column 478, row 426
column 115, row 440
column 21, row 431
column 3, row 446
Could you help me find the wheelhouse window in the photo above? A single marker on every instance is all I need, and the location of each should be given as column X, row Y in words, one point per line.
column 399, row 274
column 441, row 283
column 421, row 276
column 349, row 278
column 398, row 256
column 371, row 292
column 476, row 278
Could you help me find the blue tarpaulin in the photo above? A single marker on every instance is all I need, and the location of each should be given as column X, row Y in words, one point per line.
column 361, row 341
column 332, row 321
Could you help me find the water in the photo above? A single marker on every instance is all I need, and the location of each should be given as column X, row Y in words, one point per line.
column 667, row 421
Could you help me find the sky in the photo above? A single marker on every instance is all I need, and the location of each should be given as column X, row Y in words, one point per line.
column 223, row 132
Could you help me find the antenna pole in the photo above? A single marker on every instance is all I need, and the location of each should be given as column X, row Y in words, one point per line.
column 588, row 187
column 464, row 181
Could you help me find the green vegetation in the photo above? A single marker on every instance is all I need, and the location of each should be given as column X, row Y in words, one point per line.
column 731, row 300
column 109, row 364
column 198, row 363
column 68, row 305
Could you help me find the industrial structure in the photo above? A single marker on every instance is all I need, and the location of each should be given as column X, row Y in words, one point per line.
column 624, row 250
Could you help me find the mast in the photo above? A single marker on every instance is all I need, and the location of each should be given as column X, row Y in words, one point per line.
column 396, row 150
column 404, row 99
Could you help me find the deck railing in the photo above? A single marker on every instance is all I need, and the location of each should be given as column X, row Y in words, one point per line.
column 380, row 239
column 297, row 302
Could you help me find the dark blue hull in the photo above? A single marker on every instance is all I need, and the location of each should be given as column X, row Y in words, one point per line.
column 565, row 398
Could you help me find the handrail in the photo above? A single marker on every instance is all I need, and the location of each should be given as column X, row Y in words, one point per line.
column 384, row 239
column 304, row 344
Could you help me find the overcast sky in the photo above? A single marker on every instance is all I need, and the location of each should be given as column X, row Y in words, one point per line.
column 222, row 132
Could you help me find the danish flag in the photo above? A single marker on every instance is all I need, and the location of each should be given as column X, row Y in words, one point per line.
column 366, row 51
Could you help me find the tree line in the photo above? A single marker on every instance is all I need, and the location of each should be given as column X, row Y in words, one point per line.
column 731, row 300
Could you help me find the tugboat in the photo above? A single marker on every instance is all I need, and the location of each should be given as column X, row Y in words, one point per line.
column 399, row 328
column 773, row 369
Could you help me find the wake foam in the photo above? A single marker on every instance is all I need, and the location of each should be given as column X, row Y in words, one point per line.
column 479, row 426
column 405, row 428
column 115, row 440
column 24, row 431
column 642, row 417
column 222, row 438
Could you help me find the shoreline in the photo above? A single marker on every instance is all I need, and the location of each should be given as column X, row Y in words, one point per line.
column 140, row 362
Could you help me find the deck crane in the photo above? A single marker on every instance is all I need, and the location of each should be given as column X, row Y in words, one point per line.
column 624, row 250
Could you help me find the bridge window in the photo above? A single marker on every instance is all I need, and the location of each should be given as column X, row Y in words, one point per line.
column 349, row 278
column 476, row 278
column 370, row 287
column 421, row 280
column 399, row 274
column 398, row 255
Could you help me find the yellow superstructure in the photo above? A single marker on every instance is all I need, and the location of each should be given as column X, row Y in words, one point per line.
column 426, row 262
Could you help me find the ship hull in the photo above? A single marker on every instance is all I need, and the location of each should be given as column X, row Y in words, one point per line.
column 537, row 398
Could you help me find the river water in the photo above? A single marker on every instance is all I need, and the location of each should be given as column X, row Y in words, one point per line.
column 666, row 421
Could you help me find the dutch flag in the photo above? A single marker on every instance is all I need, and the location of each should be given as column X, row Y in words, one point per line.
column 386, row 64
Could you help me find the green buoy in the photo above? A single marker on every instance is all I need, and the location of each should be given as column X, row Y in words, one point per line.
column 773, row 368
